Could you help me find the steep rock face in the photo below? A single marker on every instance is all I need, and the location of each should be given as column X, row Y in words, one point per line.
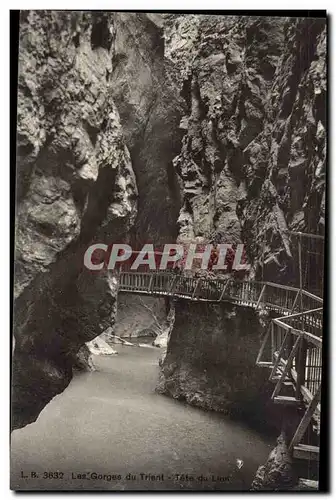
column 292, row 150
column 143, row 83
column 144, row 86
column 75, row 185
column 228, row 63
column 252, row 169
column 278, row 473
column 210, row 361
column 252, row 162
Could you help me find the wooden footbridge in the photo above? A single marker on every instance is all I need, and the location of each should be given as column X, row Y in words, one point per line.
column 291, row 348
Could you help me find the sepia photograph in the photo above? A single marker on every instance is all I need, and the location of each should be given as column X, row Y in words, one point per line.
column 169, row 222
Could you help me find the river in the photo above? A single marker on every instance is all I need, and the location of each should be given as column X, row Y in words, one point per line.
column 109, row 430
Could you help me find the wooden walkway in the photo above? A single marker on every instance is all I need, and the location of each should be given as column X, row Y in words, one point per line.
column 267, row 295
column 291, row 348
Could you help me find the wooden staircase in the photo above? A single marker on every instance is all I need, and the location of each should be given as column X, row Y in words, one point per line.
column 292, row 350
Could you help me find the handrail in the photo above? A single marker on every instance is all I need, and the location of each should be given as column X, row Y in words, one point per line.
column 278, row 285
column 283, row 325
column 301, row 313
column 312, row 296
column 223, row 280
column 245, row 292
column 292, row 349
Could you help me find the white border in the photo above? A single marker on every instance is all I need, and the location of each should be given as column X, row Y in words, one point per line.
column 4, row 184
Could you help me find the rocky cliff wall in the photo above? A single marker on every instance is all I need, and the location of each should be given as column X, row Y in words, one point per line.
column 75, row 185
column 252, row 168
column 252, row 161
column 144, row 86
column 210, row 361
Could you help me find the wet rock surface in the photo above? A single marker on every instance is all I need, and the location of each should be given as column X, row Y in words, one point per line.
column 75, row 184
column 252, row 168
column 252, row 161
column 150, row 107
column 84, row 360
column 278, row 473
column 210, row 362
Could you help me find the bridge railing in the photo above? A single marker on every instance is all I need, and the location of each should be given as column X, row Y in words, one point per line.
column 292, row 348
column 310, row 301
column 295, row 358
column 278, row 296
column 310, row 322
column 247, row 292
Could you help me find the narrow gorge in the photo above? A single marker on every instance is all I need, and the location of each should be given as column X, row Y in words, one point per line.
column 161, row 128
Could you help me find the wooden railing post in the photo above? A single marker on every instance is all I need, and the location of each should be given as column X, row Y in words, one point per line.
column 150, row 283
column 306, row 419
column 223, row 291
column 173, row 285
column 260, row 296
column 272, row 340
column 262, row 347
column 286, row 368
column 170, row 289
column 295, row 301
column 196, row 286
column 279, row 355
column 300, row 367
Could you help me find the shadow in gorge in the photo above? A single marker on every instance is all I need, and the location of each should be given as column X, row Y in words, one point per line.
column 150, row 108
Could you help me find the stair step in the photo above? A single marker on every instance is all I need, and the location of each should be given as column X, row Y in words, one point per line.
column 287, row 382
column 289, row 400
column 306, row 451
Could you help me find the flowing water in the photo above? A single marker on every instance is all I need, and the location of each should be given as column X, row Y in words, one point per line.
column 109, row 430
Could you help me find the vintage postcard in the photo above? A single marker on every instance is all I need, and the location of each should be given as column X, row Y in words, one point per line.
column 169, row 251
